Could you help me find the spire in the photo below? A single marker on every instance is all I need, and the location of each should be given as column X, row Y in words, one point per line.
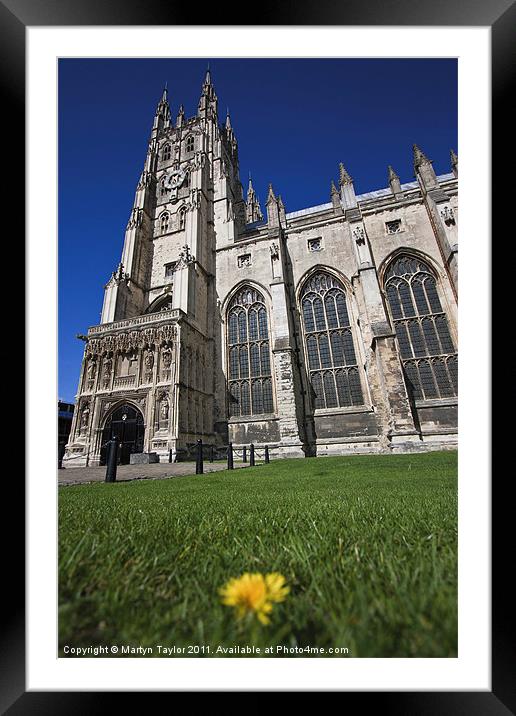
column 180, row 116
column 281, row 210
column 419, row 157
column 335, row 198
column 424, row 170
column 162, row 114
column 392, row 174
column 163, row 103
column 454, row 163
column 394, row 181
column 273, row 209
column 344, row 177
column 228, row 120
column 208, row 98
column 347, row 190
column 252, row 204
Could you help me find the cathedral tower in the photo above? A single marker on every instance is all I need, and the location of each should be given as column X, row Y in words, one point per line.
column 151, row 358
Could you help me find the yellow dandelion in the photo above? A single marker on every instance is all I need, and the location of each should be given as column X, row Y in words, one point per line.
column 254, row 594
column 276, row 587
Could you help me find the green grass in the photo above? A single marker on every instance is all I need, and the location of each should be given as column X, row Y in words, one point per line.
column 368, row 545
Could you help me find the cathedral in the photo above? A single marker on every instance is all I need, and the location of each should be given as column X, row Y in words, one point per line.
column 328, row 330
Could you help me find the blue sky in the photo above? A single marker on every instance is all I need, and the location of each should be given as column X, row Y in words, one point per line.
column 295, row 120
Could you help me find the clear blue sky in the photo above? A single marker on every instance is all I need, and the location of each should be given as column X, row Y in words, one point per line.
column 295, row 120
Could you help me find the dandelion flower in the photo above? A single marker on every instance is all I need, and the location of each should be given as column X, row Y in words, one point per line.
column 276, row 587
column 254, row 594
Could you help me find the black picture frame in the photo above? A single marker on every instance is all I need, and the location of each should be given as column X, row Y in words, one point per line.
column 500, row 16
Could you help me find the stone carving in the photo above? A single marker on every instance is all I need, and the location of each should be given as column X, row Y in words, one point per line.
column 85, row 417
column 448, row 216
column 166, row 362
column 166, row 334
column 108, row 367
column 185, row 257
column 162, row 405
column 274, row 249
column 91, row 373
column 132, row 341
column 149, row 363
column 175, row 178
column 119, row 275
column 145, row 180
column 136, row 219
column 244, row 260
column 359, row 235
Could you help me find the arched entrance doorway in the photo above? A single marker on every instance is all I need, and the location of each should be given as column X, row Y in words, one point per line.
column 126, row 424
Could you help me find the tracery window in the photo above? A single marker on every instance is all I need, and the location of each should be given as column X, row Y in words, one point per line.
column 249, row 362
column 162, row 304
column 163, row 188
column 164, row 222
column 426, row 348
column 167, row 153
column 331, row 357
column 190, row 143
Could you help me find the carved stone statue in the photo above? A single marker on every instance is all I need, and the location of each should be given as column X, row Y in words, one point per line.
column 108, row 366
column 164, row 409
column 92, row 369
column 85, row 417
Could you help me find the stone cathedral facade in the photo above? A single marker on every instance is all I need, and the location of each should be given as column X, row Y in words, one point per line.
column 323, row 331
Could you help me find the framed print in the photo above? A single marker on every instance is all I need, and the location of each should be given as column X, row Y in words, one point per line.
column 228, row 314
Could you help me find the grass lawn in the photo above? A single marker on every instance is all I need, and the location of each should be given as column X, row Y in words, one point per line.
column 367, row 544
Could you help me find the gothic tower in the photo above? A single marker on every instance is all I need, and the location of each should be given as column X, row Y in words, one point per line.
column 147, row 373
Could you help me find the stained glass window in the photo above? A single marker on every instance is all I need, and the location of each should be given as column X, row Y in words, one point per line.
column 331, row 356
column 426, row 347
column 249, row 364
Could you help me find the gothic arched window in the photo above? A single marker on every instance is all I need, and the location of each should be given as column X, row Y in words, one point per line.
column 330, row 351
column 426, row 348
column 167, row 153
column 164, row 189
column 182, row 219
column 190, row 143
column 164, row 222
column 249, row 361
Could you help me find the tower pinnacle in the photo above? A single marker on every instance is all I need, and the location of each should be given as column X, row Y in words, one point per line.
column 344, row 177
column 162, row 114
column 420, row 157
column 394, row 181
column 208, row 98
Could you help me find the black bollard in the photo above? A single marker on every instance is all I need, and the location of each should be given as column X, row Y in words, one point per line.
column 112, row 460
column 244, row 454
column 251, row 455
column 267, row 454
column 199, row 459
column 60, row 455
column 230, row 456
column 170, row 455
column 211, row 453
